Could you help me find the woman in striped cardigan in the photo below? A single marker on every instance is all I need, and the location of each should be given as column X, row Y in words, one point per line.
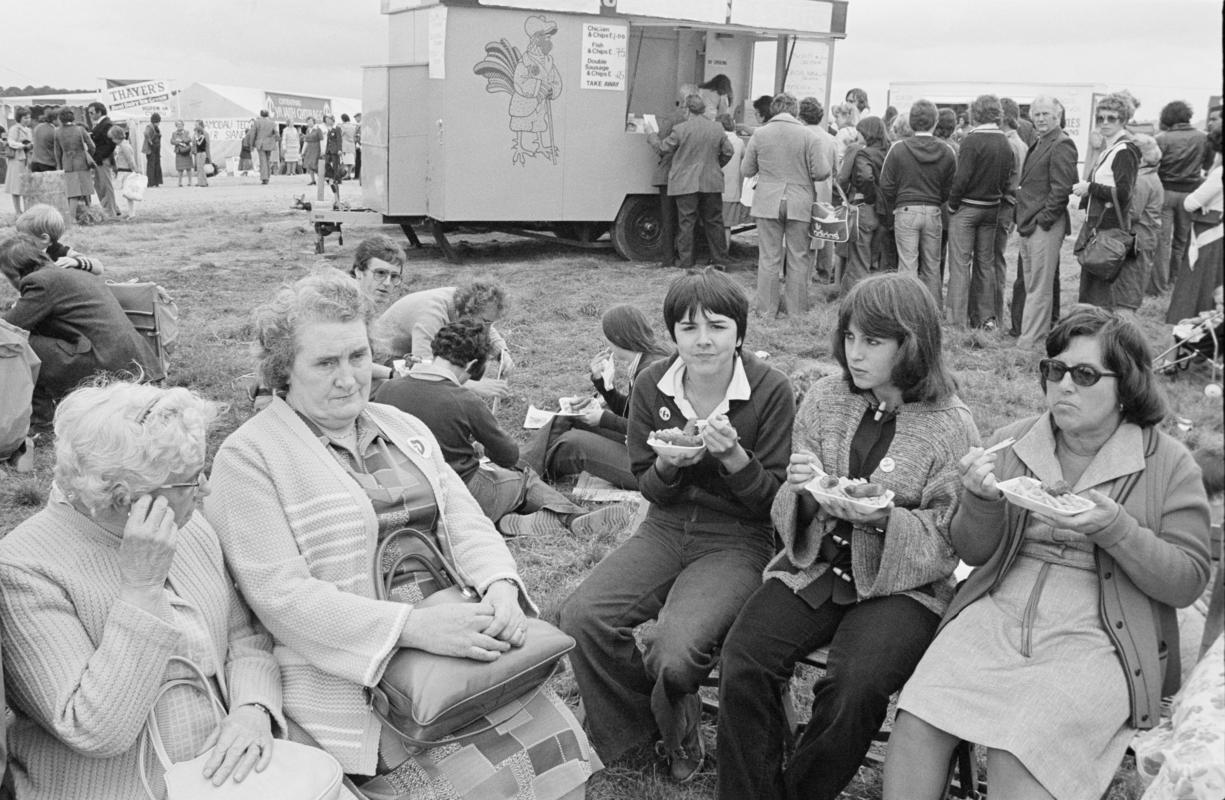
column 302, row 495
column 110, row 582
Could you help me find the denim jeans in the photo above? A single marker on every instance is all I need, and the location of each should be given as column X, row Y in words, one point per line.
column 859, row 249
column 874, row 646
column 917, row 230
column 1003, row 230
column 971, row 253
column 1172, row 243
column 500, row 491
column 564, row 447
column 689, row 568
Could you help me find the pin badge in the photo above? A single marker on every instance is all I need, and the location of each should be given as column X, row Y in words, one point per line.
column 664, row 413
column 887, row 464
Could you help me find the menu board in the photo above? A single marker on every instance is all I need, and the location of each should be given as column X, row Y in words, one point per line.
column 603, row 60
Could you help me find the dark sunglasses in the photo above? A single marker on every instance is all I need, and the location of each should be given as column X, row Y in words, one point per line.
column 1107, row 118
column 1053, row 370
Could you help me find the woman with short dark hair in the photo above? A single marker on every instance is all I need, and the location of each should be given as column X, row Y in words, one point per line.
column 152, row 149
column 1062, row 642
column 859, row 177
column 870, row 581
column 698, row 554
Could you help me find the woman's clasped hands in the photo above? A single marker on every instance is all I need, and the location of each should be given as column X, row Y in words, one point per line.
column 480, row 631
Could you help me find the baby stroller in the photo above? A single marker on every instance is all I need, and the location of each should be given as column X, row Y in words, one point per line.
column 1196, row 340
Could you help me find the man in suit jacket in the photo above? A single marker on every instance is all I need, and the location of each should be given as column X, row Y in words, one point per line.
column 787, row 159
column 266, row 138
column 103, row 149
column 667, row 205
column 77, row 327
column 1042, row 218
column 695, row 180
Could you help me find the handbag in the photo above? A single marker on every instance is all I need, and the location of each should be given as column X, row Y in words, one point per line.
column 428, row 699
column 838, row 228
column 1102, row 253
column 295, row 770
column 134, row 186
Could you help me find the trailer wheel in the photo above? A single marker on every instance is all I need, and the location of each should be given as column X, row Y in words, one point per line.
column 637, row 233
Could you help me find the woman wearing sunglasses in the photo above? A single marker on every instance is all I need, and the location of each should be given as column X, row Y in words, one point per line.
column 1064, row 640
column 1110, row 183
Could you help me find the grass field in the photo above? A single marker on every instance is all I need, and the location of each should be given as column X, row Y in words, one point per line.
column 221, row 250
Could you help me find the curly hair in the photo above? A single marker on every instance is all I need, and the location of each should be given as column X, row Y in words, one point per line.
column 1120, row 103
column 324, row 296
column 117, row 440
column 811, row 112
column 986, row 109
column 472, row 297
column 462, row 341
column 897, row 306
column 1124, row 351
column 1174, row 113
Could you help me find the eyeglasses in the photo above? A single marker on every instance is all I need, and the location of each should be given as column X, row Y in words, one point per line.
column 194, row 484
column 1053, row 369
column 381, row 275
column 1107, row 118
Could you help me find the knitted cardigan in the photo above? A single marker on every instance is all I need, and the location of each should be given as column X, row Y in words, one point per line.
column 914, row 556
column 83, row 666
column 300, row 534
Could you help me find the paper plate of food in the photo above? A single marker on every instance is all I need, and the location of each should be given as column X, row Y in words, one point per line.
column 574, row 406
column 1034, row 495
column 676, row 442
column 862, row 496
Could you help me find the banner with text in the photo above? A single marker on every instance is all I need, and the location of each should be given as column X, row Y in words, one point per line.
column 142, row 96
column 295, row 108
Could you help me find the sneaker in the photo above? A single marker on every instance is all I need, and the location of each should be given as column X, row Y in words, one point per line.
column 604, row 522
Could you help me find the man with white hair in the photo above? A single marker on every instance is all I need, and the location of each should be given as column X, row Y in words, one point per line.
column 1042, row 219
column 667, row 206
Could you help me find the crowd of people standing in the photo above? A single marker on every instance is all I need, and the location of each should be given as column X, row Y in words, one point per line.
column 941, row 195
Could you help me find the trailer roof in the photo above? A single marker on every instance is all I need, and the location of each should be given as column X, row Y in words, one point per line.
column 815, row 18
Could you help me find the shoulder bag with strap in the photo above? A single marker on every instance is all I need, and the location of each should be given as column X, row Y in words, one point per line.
column 1102, row 253
column 427, row 699
column 295, row 770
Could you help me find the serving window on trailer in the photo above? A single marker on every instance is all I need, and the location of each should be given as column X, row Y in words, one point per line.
column 533, row 112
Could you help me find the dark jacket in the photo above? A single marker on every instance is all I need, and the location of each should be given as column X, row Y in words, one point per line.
column 77, row 328
column 43, row 138
column 103, row 146
column 1046, row 183
column 455, row 416
column 918, row 170
column 764, row 423
column 1184, row 154
column 1151, row 559
column 664, row 164
column 699, row 148
column 1098, row 202
column 985, row 168
column 617, row 405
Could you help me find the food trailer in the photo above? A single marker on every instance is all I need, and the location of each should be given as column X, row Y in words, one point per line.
column 531, row 116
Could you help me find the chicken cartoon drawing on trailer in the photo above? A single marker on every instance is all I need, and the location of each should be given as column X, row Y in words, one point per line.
column 532, row 81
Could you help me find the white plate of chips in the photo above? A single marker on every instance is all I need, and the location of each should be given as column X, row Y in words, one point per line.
column 1029, row 493
column 838, row 491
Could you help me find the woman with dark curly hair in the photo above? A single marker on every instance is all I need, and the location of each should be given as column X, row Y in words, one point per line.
column 1064, row 640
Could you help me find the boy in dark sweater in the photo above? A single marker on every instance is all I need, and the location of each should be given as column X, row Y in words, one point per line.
column 916, row 179
column 985, row 167
column 518, row 501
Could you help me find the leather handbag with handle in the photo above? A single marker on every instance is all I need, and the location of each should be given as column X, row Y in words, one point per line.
column 428, row 699
column 295, row 770
column 1102, row 253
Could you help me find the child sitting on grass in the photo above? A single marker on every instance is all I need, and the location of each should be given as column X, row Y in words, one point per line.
column 46, row 224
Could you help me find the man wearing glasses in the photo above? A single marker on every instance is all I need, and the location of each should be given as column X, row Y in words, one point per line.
column 1042, row 219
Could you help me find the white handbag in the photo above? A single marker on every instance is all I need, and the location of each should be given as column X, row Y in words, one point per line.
column 134, row 186
column 295, row 770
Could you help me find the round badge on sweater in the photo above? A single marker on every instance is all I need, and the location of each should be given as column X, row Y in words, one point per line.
column 887, row 464
column 664, row 413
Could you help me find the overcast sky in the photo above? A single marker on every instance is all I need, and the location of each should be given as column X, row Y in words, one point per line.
column 1159, row 49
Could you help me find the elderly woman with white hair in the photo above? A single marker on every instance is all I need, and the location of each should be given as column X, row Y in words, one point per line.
column 106, row 586
column 303, row 494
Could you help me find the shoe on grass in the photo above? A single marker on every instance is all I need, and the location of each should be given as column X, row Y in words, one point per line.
column 604, row 522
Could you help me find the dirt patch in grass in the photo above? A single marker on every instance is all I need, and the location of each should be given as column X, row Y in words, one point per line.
column 222, row 250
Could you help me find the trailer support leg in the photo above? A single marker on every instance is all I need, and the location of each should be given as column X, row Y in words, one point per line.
column 411, row 234
column 440, row 236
